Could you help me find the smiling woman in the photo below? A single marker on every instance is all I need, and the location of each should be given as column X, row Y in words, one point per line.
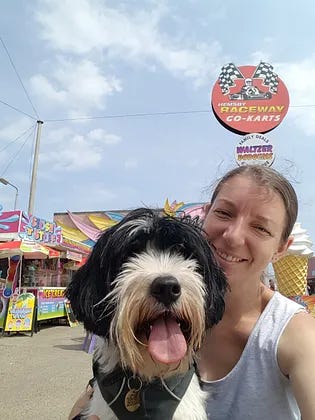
column 247, row 223
column 264, row 340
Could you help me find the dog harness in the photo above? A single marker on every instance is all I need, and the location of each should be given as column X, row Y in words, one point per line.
column 131, row 398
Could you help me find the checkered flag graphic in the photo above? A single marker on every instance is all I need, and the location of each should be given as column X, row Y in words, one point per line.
column 265, row 71
column 229, row 72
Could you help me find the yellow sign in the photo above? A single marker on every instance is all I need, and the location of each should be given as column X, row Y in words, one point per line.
column 20, row 314
column 73, row 322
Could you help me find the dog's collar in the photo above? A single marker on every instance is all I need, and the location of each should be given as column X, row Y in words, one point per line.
column 154, row 400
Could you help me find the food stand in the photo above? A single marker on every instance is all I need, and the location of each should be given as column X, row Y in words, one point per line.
column 35, row 258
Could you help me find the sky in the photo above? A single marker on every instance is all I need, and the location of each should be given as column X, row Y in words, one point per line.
column 88, row 68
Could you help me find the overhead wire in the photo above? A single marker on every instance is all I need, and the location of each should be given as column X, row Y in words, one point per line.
column 17, row 154
column 18, row 110
column 146, row 114
column 149, row 114
column 18, row 76
column 136, row 115
column 17, row 138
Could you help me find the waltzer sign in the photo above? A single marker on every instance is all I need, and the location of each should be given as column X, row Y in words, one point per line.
column 254, row 149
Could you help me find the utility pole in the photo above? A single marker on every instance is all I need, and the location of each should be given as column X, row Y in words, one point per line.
column 34, row 171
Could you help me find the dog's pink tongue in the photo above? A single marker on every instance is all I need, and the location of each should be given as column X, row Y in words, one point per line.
column 166, row 342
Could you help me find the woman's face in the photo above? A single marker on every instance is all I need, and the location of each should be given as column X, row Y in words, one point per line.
column 244, row 226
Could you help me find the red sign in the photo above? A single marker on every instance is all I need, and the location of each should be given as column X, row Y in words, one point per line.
column 249, row 99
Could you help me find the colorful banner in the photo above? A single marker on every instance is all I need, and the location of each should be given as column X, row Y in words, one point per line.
column 21, row 310
column 3, row 308
column 12, row 276
column 10, row 221
column 75, row 246
column 29, row 227
column 50, row 303
column 74, row 256
column 41, row 230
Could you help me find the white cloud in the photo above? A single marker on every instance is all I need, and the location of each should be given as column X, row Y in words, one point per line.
column 131, row 164
column 79, row 85
column 260, row 55
column 57, row 136
column 196, row 64
column 43, row 88
column 16, row 129
column 97, row 196
column 101, row 135
column 69, row 151
column 70, row 27
column 98, row 191
column 93, row 27
column 298, row 77
column 77, row 155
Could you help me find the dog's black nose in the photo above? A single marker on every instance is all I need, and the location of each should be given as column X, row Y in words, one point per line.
column 165, row 289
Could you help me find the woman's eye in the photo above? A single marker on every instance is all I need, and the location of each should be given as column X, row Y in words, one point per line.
column 262, row 229
column 222, row 213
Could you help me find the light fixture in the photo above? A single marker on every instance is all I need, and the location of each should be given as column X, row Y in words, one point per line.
column 6, row 182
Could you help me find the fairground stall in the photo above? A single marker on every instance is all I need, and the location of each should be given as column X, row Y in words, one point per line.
column 35, row 259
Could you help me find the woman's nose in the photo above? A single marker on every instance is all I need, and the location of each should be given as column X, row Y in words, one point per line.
column 234, row 233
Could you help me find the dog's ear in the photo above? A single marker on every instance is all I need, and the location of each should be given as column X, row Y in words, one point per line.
column 88, row 287
column 216, row 287
column 215, row 281
column 92, row 282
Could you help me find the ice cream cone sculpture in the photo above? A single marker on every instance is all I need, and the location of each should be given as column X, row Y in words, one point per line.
column 291, row 270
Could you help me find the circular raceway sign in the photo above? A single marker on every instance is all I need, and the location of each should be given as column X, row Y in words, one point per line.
column 249, row 99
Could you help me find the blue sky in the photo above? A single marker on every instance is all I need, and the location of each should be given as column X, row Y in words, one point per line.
column 80, row 58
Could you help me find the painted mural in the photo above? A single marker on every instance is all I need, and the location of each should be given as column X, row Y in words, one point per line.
column 12, row 221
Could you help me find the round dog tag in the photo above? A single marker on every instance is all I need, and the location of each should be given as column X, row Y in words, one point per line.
column 132, row 400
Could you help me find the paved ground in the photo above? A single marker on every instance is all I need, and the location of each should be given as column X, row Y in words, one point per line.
column 41, row 376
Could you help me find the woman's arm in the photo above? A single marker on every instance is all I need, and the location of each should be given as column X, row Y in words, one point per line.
column 296, row 357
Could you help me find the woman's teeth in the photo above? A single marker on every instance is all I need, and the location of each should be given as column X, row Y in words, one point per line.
column 227, row 257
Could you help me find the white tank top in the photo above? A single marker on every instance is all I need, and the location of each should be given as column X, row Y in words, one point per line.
column 256, row 389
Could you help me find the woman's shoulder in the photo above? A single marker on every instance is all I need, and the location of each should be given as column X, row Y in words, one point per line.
column 301, row 325
column 277, row 309
column 297, row 343
column 282, row 304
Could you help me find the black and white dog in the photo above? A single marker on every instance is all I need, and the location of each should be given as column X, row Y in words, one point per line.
column 149, row 290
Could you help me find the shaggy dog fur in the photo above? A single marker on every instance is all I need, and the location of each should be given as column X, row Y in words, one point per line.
column 149, row 290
